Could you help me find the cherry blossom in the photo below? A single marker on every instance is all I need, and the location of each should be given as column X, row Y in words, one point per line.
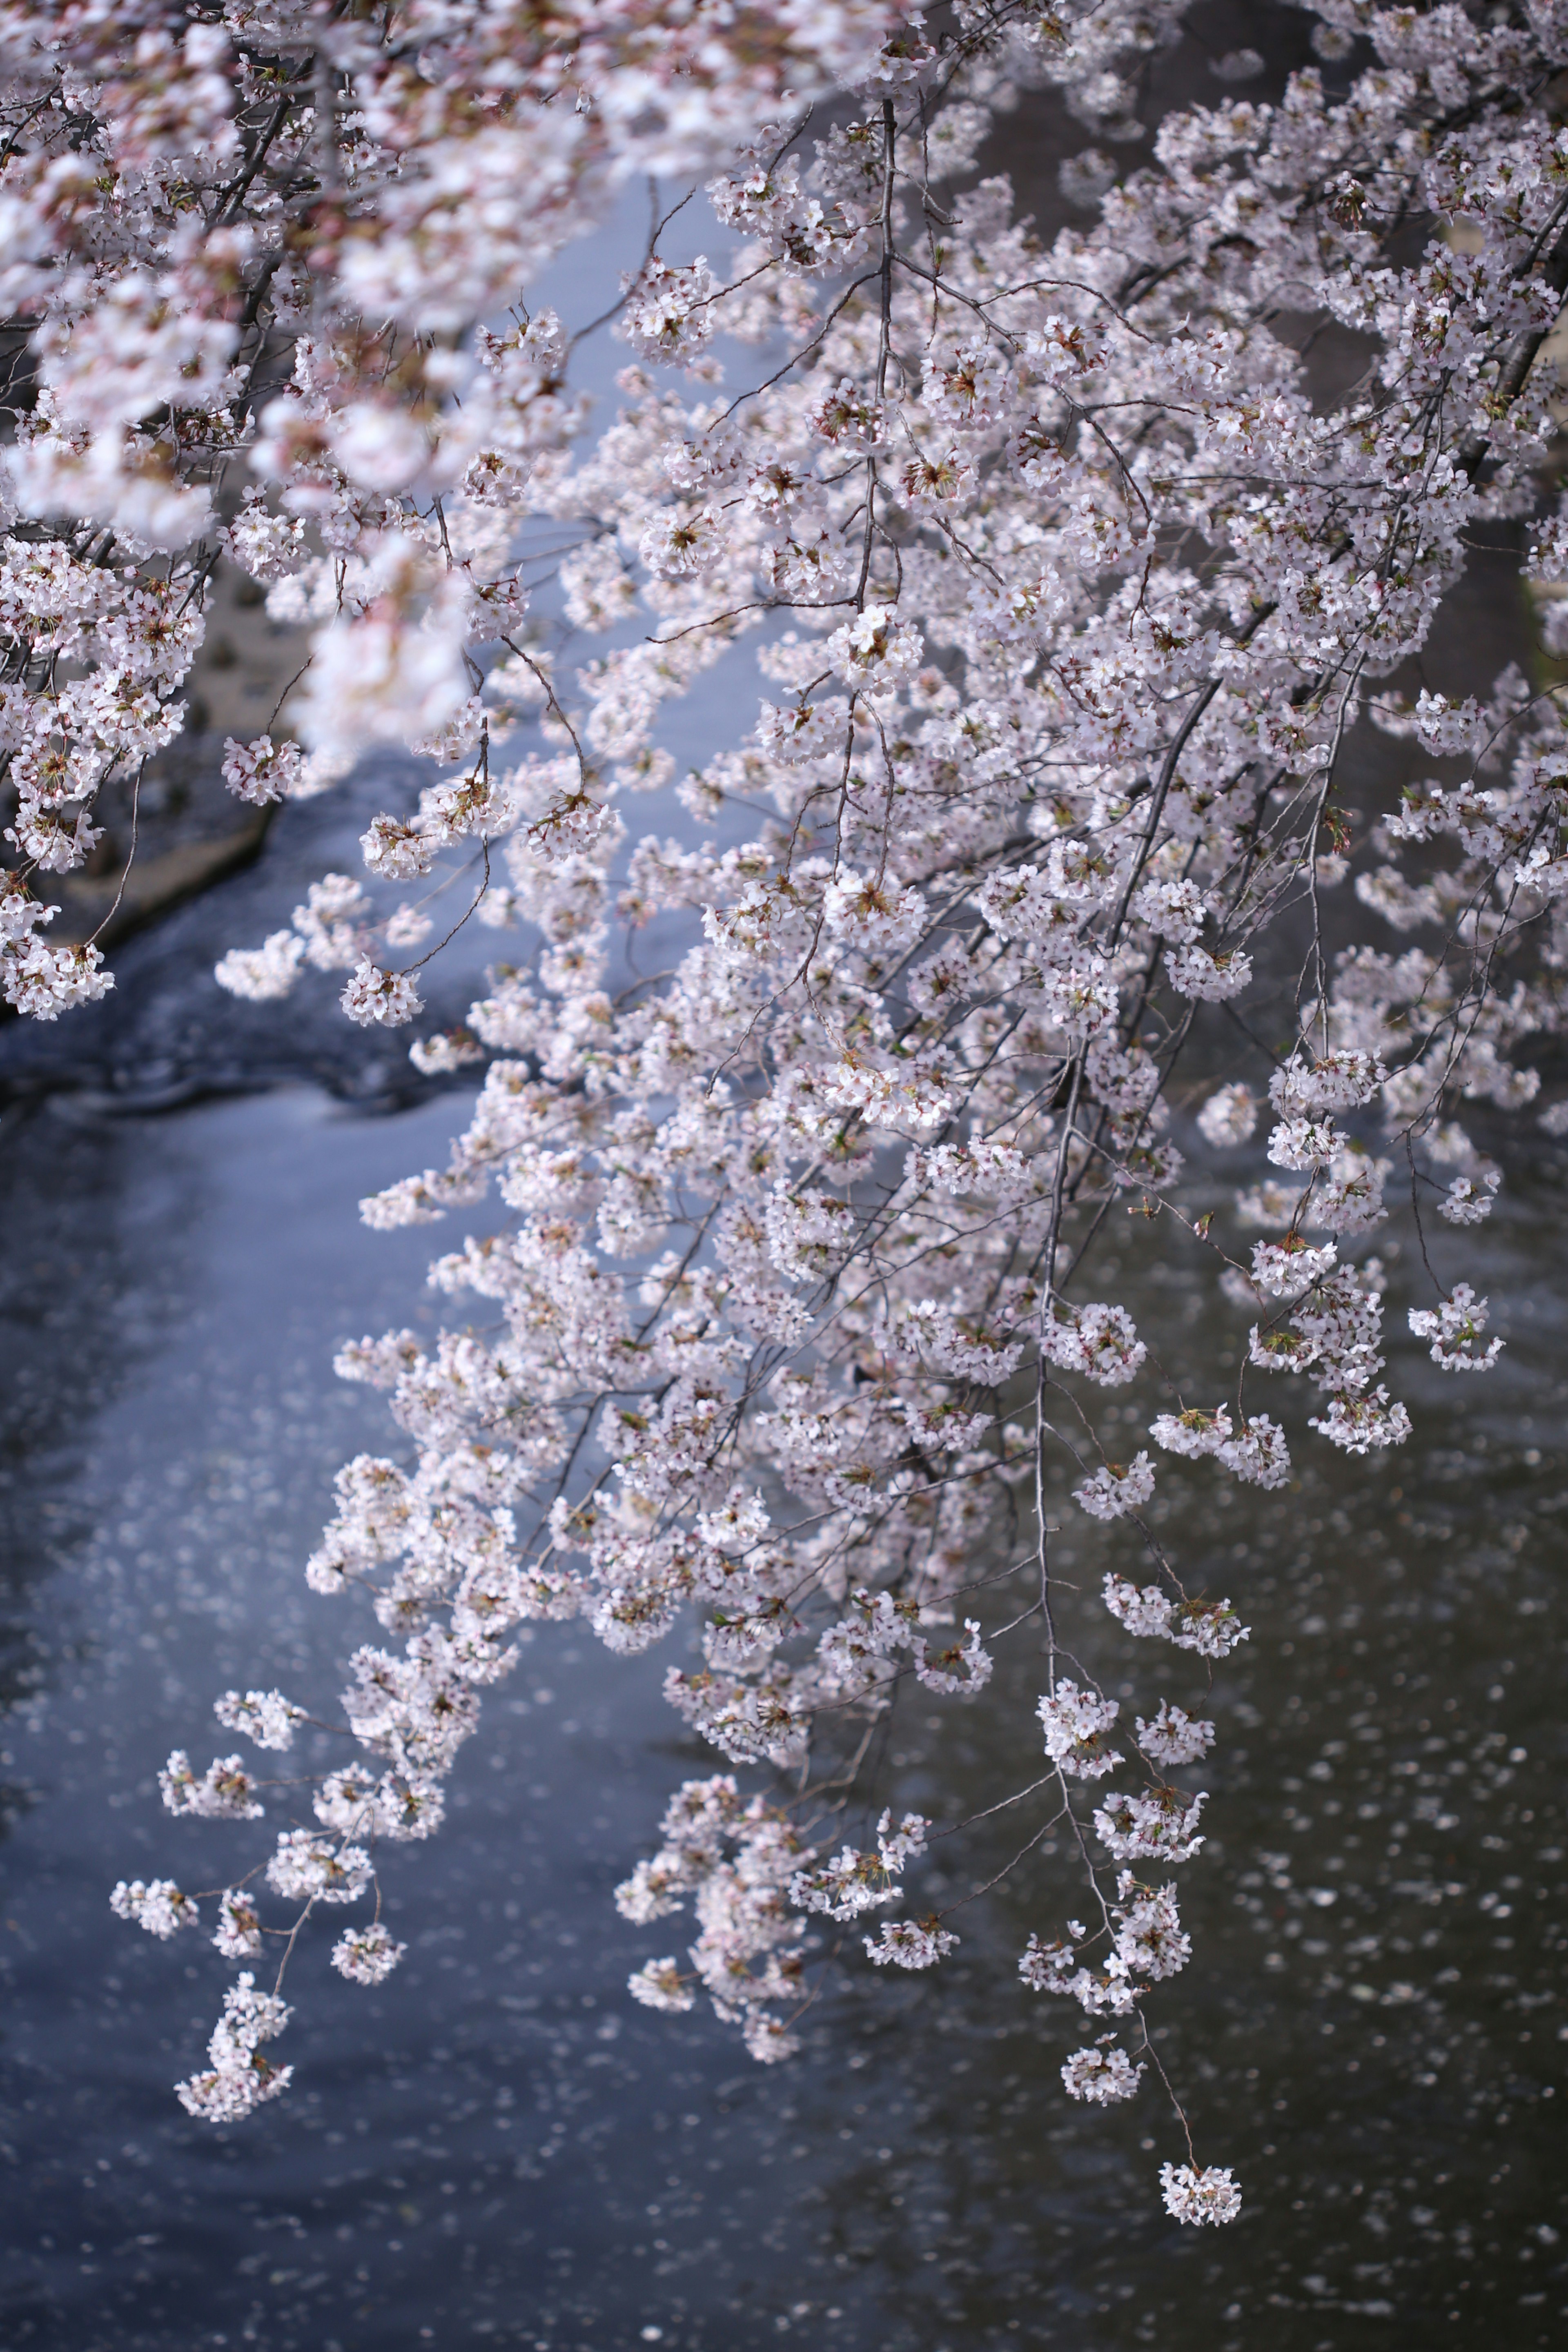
column 156, row 1905
column 1066, row 586
column 1174, row 1737
column 1101, row 2076
column 910, row 1944
column 366, row 1955
column 1209, row 2194
column 239, row 1932
column 265, row 1715
column 1454, row 1329
column 1117, row 1488
column 241, row 2076
column 1074, row 1725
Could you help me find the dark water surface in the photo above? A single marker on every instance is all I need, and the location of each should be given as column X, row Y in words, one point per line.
column 499, row 2144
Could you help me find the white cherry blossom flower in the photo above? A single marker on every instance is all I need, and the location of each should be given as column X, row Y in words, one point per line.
column 1229, row 1117
column 1174, row 1737
column 156, row 1905
column 948, row 940
column 1469, row 1201
column 366, row 1955
column 876, row 652
column 389, row 998
column 910, row 1944
column 659, row 1984
column 1101, row 2076
column 239, row 1933
column 1454, row 1327
column 1161, row 1825
column 310, row 1867
column 1075, row 1726
column 1115, row 1489
column 265, row 1715
column 224, row 1791
column 1209, row 2194
column 241, row 2076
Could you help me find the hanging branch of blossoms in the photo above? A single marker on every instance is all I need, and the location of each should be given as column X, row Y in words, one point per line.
column 252, row 239
column 1066, row 595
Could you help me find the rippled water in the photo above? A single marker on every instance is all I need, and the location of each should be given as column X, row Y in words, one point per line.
column 499, row 2144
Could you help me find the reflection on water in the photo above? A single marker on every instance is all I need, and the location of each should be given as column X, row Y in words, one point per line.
column 497, row 2145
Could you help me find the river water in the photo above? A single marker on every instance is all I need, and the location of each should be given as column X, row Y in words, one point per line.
column 499, row 2145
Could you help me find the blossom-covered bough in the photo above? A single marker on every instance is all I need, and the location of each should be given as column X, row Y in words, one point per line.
column 1064, row 591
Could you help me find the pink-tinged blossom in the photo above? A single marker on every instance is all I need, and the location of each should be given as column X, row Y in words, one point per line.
column 43, row 981
column 265, row 1716
column 1150, row 1939
column 1304, row 1143
column 395, row 849
column 1212, row 1628
column 1285, row 1269
column 1193, row 1432
column 659, row 1984
column 448, row 1050
column 961, row 1670
column 851, row 1883
column 313, row 1868
column 265, row 545
column 1211, row 979
column 1351, row 1200
column 158, row 1906
column 224, row 1792
column 266, row 973
column 1257, row 1453
column 261, row 772
column 1030, row 792
column 1469, row 1200
column 1229, row 1117
column 767, row 2039
column 1076, row 1724
column 1115, row 1489
column 876, row 652
column 1174, row 1737
column 1080, row 1000
column 1175, row 910
column 1047, row 1968
column 1360, row 1423
column 668, row 316
column 1100, row 1341
column 845, row 417
column 1336, row 1082
column 389, row 998
column 366, row 1956
column 1209, row 2194
column 238, row 1935
column 241, row 2076
column 381, row 679
column 1103, row 2077
column 1454, row 1328
column 1146, row 1612
column 900, row 1845
column 1161, row 1826
column 910, row 1944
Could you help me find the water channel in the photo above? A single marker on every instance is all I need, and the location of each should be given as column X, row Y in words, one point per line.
column 499, row 2144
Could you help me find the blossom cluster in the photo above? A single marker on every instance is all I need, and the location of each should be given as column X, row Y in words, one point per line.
column 1064, row 588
